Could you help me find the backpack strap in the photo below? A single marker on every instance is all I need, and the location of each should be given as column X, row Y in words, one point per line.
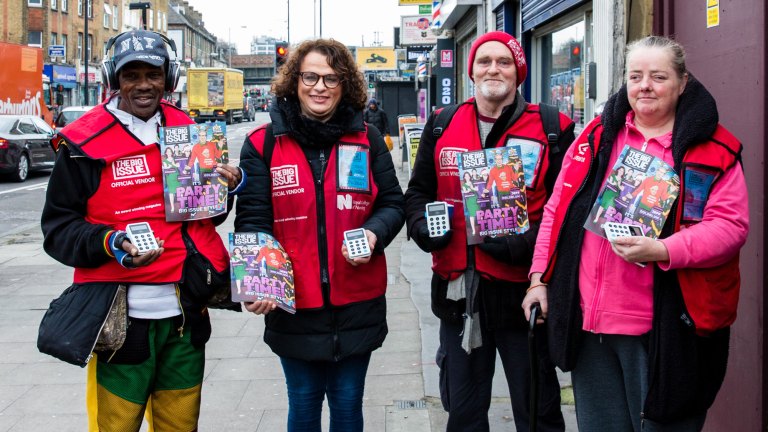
column 442, row 118
column 269, row 145
column 550, row 119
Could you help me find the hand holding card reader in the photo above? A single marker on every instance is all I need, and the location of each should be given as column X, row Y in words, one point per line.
column 357, row 243
column 141, row 235
column 438, row 218
column 614, row 230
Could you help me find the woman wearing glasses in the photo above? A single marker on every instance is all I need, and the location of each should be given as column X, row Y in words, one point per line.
column 314, row 172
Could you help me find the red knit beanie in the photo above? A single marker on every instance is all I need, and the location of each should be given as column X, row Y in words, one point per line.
column 511, row 43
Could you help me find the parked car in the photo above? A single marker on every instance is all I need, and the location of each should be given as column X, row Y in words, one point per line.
column 25, row 145
column 69, row 114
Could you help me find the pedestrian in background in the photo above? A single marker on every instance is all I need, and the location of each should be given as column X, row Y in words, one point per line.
column 646, row 346
column 477, row 290
column 88, row 205
column 374, row 115
column 314, row 172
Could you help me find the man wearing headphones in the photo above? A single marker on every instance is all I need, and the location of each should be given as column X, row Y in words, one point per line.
column 108, row 174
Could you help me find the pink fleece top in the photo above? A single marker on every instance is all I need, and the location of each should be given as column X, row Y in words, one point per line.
column 616, row 296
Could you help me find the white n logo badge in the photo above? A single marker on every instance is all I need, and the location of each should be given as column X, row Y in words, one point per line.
column 344, row 202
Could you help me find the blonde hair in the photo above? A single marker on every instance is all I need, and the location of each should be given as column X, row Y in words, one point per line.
column 675, row 49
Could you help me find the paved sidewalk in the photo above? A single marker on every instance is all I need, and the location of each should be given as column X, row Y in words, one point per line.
column 244, row 388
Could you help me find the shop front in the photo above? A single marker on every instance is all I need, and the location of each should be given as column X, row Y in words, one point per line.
column 558, row 40
column 63, row 82
column 94, row 87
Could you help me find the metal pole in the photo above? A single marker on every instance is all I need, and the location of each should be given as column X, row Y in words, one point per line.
column 229, row 48
column 289, row 22
column 85, row 51
column 321, row 18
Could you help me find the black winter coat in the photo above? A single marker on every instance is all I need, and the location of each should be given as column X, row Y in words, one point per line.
column 330, row 333
column 377, row 118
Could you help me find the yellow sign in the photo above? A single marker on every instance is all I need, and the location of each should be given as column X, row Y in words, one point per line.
column 376, row 58
column 414, row 2
column 401, row 120
column 713, row 13
column 414, row 146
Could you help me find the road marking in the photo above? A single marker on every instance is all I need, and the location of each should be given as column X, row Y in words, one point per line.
column 43, row 186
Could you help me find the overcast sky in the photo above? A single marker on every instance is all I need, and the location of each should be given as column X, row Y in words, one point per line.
column 352, row 22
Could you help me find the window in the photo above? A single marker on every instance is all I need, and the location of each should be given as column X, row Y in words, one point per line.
column 105, row 20
column 53, row 4
column 35, row 38
column 79, row 55
column 41, row 126
column 151, row 16
column 104, row 52
column 65, row 6
column 35, row 3
column 79, row 7
column 64, row 42
column 90, row 8
column 114, row 17
column 90, row 45
column 562, row 80
column 53, row 39
column 26, row 127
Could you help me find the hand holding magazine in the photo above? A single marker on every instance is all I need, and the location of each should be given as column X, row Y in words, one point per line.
column 639, row 190
column 261, row 269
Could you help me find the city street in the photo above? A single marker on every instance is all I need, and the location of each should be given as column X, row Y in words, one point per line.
column 244, row 388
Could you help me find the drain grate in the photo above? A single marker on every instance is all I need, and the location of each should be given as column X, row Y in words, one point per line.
column 411, row 404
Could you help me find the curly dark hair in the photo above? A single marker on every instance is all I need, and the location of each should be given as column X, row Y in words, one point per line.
column 285, row 83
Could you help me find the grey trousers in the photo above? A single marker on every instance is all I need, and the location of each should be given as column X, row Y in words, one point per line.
column 610, row 382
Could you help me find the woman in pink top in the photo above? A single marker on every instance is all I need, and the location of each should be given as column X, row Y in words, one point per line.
column 647, row 345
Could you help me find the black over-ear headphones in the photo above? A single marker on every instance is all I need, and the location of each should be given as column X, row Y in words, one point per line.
column 109, row 75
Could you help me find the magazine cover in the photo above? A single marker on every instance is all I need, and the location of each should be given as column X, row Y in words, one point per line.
column 192, row 187
column 640, row 190
column 260, row 269
column 493, row 192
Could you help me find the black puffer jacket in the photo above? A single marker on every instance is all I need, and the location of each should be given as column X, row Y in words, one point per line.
column 377, row 118
column 330, row 333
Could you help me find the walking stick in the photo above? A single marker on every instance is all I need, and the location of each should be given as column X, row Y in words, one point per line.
column 533, row 356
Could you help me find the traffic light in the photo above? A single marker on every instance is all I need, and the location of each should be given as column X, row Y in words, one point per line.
column 575, row 55
column 281, row 53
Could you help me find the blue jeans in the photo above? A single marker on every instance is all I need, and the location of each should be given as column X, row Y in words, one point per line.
column 309, row 381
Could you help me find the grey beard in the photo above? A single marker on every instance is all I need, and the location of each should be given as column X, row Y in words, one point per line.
column 495, row 93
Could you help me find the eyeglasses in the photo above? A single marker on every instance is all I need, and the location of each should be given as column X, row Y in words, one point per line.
column 311, row 78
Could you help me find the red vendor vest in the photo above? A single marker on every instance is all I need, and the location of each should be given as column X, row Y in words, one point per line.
column 345, row 206
column 711, row 295
column 131, row 190
column 461, row 135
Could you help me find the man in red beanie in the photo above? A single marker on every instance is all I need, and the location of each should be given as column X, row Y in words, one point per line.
column 477, row 290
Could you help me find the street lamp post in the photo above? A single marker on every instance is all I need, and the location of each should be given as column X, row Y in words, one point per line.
column 85, row 52
column 143, row 6
column 289, row 22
